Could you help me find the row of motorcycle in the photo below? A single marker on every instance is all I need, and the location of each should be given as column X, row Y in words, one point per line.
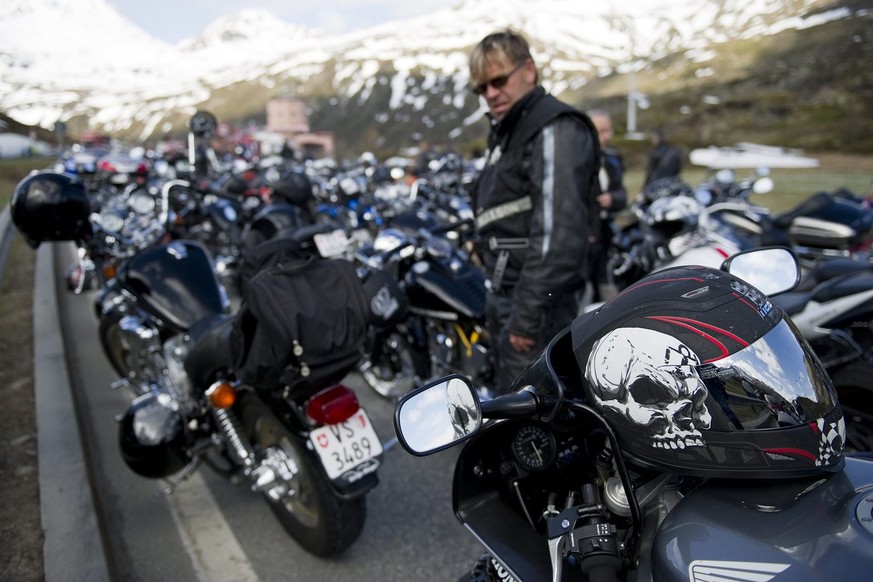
column 232, row 302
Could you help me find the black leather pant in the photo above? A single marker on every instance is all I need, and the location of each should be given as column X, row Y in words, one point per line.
column 557, row 314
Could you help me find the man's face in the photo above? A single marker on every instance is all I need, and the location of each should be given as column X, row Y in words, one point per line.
column 505, row 83
column 603, row 125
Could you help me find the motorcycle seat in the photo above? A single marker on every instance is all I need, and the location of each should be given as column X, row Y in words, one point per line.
column 813, row 204
column 211, row 349
column 792, row 303
column 843, row 287
column 837, row 267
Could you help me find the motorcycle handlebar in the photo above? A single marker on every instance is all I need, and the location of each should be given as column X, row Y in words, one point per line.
column 521, row 404
column 441, row 229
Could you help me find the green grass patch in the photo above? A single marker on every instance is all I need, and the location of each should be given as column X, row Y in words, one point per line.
column 12, row 171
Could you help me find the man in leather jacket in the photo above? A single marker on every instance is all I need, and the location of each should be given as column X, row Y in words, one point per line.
column 665, row 160
column 612, row 199
column 533, row 203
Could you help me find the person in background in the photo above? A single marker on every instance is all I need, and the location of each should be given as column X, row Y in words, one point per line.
column 612, row 199
column 665, row 160
column 532, row 202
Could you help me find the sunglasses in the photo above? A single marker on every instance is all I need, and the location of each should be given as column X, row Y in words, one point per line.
column 497, row 82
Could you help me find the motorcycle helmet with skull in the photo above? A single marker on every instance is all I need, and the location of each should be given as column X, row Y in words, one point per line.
column 697, row 372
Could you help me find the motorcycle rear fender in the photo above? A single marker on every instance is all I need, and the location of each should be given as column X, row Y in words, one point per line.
column 299, row 426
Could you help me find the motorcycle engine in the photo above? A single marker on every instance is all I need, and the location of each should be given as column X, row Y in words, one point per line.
column 458, row 352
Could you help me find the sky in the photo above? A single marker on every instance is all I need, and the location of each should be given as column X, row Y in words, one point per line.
column 175, row 20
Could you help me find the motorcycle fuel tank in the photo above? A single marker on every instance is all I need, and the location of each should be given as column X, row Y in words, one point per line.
column 436, row 287
column 813, row 529
column 175, row 282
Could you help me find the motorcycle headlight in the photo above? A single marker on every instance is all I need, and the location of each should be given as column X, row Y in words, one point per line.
column 142, row 203
column 111, row 221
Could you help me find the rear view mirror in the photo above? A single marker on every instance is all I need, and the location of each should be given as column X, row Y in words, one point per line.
column 437, row 416
column 771, row 270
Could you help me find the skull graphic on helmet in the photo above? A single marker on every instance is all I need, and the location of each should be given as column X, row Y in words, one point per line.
column 649, row 378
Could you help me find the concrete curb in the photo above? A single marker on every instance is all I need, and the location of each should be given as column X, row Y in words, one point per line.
column 5, row 237
column 72, row 548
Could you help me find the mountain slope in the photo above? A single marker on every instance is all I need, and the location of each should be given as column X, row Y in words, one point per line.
column 390, row 85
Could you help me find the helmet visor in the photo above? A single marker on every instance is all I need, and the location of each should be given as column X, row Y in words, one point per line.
column 775, row 382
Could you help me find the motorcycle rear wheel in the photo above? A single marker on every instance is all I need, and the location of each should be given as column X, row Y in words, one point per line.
column 393, row 368
column 856, row 397
column 318, row 520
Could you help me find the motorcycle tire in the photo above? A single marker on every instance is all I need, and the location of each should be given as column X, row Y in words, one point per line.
column 115, row 346
column 393, row 367
column 856, row 397
column 318, row 520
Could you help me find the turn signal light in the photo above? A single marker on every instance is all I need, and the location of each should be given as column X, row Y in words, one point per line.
column 221, row 395
column 110, row 271
column 332, row 405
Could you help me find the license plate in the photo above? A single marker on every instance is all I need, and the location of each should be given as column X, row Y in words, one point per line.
column 331, row 244
column 345, row 445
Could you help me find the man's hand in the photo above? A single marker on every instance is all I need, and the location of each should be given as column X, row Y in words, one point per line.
column 521, row 343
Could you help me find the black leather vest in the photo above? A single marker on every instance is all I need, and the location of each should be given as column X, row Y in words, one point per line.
column 502, row 198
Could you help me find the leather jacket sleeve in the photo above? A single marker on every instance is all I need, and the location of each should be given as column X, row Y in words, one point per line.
column 562, row 169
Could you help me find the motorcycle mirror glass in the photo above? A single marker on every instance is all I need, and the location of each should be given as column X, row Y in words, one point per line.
column 438, row 415
column 771, row 270
column 763, row 185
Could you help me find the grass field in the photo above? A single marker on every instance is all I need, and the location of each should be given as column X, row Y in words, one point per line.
column 790, row 186
column 12, row 172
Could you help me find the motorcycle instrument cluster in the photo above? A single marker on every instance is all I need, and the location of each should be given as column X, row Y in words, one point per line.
column 533, row 447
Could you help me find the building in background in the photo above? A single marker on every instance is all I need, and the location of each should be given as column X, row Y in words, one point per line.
column 287, row 119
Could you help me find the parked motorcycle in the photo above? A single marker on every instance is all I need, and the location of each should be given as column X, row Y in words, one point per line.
column 683, row 431
column 255, row 394
column 831, row 308
column 672, row 228
column 825, row 225
column 439, row 327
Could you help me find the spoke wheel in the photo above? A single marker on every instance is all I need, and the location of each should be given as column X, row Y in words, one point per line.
column 390, row 369
column 318, row 520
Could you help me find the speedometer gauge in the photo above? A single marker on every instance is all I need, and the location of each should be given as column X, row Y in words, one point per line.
column 533, row 447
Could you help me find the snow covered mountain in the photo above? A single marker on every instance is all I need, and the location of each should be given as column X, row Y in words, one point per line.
column 81, row 62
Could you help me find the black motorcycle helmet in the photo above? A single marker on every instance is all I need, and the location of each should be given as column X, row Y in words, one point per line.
column 151, row 439
column 294, row 188
column 50, row 206
column 698, row 373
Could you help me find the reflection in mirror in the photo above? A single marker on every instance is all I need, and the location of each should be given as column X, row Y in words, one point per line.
column 438, row 416
column 771, row 270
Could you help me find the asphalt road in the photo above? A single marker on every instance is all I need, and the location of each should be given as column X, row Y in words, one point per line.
column 211, row 529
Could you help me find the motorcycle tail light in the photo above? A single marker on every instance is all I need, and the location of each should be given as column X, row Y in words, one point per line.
column 332, row 405
column 110, row 271
column 222, row 395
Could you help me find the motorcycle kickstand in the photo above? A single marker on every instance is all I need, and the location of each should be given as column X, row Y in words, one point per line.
column 177, row 479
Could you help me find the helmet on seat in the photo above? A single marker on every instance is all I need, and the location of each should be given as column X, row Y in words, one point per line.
column 698, row 373
column 50, row 206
